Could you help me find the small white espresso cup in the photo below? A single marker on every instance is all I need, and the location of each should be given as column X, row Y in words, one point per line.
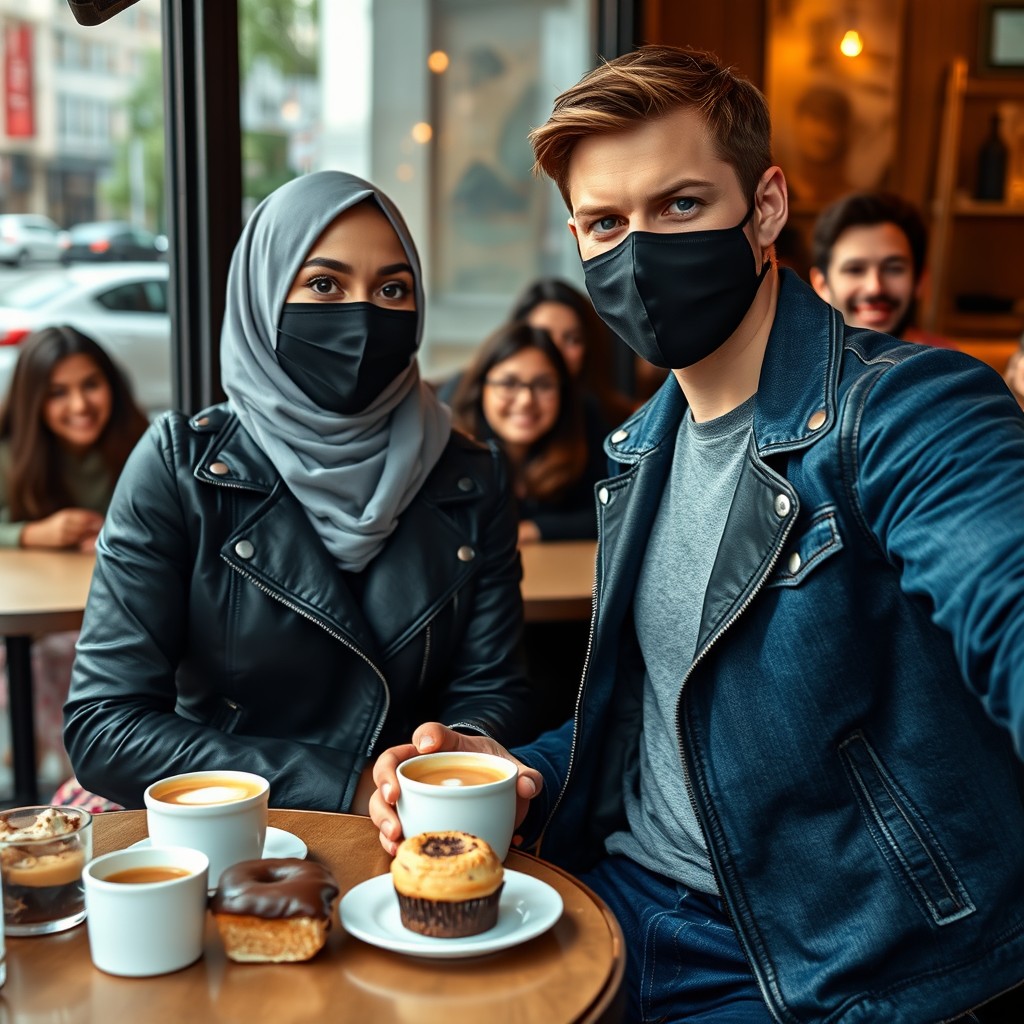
column 140, row 928
column 221, row 813
column 467, row 792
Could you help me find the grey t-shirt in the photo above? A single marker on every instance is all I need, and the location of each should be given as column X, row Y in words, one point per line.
column 663, row 833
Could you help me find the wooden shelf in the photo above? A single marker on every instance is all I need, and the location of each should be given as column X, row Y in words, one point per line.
column 964, row 206
column 974, row 243
column 984, row 325
column 1009, row 87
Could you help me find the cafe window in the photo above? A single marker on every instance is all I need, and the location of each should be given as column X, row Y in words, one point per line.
column 432, row 101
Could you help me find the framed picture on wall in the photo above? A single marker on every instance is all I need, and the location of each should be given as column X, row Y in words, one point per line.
column 832, row 82
column 1001, row 37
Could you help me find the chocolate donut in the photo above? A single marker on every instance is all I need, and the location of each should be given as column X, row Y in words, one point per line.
column 274, row 910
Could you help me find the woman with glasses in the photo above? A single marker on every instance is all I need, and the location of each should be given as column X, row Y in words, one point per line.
column 518, row 391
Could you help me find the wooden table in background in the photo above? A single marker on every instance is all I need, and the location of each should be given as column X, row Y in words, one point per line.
column 558, row 579
column 573, row 972
column 40, row 592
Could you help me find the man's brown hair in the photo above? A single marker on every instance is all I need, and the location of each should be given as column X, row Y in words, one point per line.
column 650, row 82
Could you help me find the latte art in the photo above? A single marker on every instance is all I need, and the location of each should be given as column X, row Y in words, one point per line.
column 203, row 792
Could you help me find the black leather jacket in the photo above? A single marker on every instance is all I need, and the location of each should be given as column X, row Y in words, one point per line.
column 220, row 634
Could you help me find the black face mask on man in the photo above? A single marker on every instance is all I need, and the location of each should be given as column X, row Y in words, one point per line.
column 676, row 297
column 343, row 355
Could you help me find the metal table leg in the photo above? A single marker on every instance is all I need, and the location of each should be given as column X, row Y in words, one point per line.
column 23, row 727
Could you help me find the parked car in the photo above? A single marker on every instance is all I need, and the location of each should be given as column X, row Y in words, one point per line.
column 123, row 306
column 110, row 240
column 28, row 236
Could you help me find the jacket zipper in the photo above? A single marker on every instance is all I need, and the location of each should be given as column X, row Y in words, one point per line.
column 426, row 655
column 754, row 965
column 331, row 632
column 579, row 699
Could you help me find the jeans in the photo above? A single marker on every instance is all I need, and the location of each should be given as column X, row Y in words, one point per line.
column 683, row 962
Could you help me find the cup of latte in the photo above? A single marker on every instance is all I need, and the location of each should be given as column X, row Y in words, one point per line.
column 468, row 792
column 221, row 813
column 146, row 909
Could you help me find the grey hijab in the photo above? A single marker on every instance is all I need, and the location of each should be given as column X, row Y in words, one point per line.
column 354, row 475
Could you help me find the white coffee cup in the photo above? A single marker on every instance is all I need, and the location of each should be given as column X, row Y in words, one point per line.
column 486, row 809
column 138, row 929
column 221, row 813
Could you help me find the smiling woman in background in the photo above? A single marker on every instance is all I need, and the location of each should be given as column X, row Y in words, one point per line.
column 519, row 392
column 287, row 582
column 66, row 428
column 67, row 425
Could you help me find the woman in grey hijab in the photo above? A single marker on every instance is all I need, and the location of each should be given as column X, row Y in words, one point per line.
column 289, row 582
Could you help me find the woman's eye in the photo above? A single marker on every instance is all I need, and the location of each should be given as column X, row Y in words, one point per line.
column 394, row 290
column 321, row 285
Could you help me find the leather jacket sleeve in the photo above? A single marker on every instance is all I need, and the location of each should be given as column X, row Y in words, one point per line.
column 151, row 689
column 121, row 729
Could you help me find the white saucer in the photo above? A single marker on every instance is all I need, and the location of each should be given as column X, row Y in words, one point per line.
column 527, row 907
column 277, row 843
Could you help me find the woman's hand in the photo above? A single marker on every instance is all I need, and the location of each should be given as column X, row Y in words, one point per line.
column 68, row 528
column 529, row 533
column 430, row 738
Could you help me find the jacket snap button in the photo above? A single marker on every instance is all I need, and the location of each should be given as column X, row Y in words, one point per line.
column 466, row 553
column 244, row 549
column 795, row 562
column 218, row 468
column 816, row 420
column 619, row 435
column 465, row 484
column 602, row 495
column 782, row 505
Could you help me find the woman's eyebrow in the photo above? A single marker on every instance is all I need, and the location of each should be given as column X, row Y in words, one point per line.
column 323, row 261
column 345, row 268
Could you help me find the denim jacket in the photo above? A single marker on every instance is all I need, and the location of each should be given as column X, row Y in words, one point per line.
column 850, row 728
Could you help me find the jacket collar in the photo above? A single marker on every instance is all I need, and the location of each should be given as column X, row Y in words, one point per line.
column 796, row 395
column 424, row 561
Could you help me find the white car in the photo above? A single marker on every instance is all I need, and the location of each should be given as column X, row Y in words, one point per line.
column 28, row 236
column 122, row 306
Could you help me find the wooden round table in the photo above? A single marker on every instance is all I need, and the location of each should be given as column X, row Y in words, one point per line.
column 571, row 973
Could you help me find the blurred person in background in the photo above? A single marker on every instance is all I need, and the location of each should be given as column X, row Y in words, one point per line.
column 518, row 391
column 67, row 425
column 869, row 251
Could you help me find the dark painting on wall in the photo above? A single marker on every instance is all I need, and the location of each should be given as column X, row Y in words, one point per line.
column 833, row 72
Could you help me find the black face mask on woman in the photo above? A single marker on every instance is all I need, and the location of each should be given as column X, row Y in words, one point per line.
column 674, row 298
column 343, row 355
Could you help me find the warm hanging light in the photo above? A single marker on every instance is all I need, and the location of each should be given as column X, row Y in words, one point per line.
column 852, row 44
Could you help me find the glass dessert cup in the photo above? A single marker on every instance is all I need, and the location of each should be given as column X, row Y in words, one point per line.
column 42, row 852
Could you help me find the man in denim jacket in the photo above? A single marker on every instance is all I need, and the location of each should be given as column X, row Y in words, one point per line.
column 794, row 766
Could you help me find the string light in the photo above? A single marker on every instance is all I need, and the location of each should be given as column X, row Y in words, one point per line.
column 852, row 44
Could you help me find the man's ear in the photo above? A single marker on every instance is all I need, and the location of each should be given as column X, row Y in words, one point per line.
column 820, row 284
column 772, row 202
column 572, row 227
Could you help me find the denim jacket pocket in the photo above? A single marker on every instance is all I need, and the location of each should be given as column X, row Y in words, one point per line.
column 807, row 549
column 903, row 837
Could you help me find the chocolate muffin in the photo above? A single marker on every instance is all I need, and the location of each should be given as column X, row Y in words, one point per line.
column 448, row 884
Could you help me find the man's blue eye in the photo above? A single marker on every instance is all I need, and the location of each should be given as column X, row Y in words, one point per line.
column 606, row 224
column 683, row 205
